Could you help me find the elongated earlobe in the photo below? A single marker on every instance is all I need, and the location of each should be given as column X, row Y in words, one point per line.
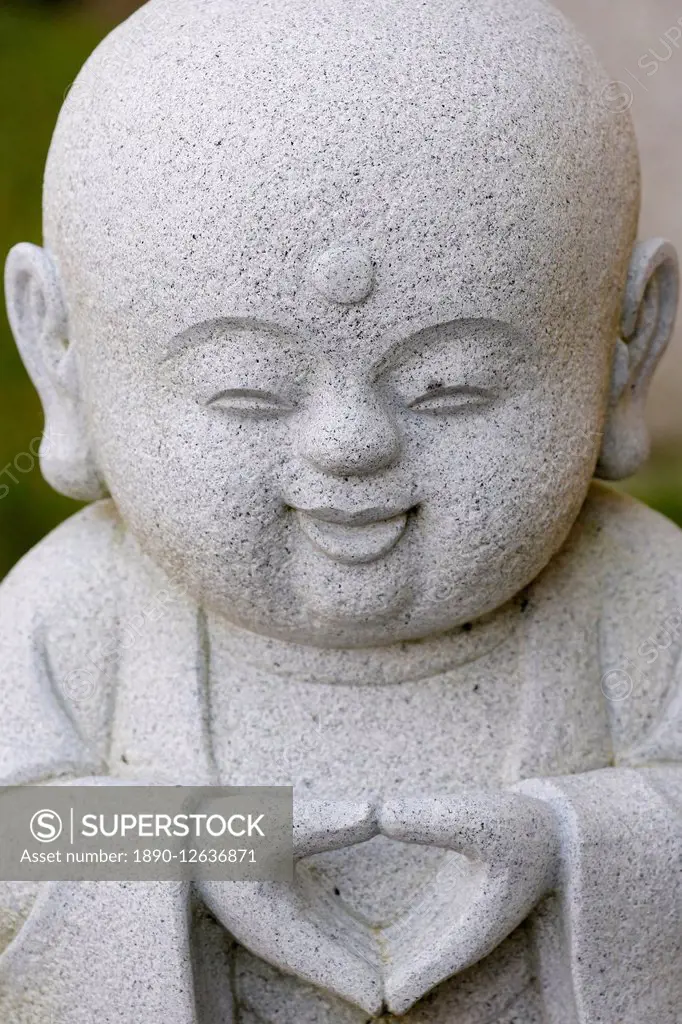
column 648, row 316
column 37, row 315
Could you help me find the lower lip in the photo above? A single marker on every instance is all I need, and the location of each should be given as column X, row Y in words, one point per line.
column 353, row 545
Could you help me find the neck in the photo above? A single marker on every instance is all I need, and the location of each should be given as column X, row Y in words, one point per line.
column 392, row 663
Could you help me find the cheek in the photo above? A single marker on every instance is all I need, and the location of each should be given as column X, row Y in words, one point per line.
column 195, row 484
column 509, row 481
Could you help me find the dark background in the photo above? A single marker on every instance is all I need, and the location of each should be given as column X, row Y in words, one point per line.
column 42, row 47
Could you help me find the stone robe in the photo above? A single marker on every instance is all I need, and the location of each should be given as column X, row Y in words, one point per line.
column 577, row 683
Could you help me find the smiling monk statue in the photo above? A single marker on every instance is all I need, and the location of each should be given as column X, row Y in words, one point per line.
column 339, row 313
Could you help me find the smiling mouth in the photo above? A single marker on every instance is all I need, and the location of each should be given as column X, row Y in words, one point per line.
column 352, row 539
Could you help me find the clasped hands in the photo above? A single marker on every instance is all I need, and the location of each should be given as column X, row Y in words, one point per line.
column 512, row 845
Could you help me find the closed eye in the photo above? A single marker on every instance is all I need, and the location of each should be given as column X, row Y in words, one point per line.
column 444, row 401
column 250, row 402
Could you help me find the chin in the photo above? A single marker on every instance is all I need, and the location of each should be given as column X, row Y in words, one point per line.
column 359, row 616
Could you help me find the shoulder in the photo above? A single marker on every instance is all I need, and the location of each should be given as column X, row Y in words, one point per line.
column 637, row 532
column 59, row 609
column 625, row 549
column 67, row 566
column 634, row 556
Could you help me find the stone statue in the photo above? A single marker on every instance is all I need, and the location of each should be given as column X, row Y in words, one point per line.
column 339, row 312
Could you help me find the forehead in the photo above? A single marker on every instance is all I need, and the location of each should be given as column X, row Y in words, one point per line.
column 453, row 237
column 493, row 251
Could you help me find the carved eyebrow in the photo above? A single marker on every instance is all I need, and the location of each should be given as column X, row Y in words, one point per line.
column 201, row 333
column 404, row 348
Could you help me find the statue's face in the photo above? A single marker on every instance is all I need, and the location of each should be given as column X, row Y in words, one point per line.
column 350, row 473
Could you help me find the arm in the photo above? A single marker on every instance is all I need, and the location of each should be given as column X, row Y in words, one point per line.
column 617, row 921
column 609, row 942
column 75, row 953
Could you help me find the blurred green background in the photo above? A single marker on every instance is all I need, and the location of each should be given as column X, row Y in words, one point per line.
column 42, row 47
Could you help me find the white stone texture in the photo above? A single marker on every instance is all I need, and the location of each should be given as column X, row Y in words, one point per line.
column 340, row 311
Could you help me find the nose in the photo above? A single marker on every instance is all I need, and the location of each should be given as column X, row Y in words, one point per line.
column 349, row 432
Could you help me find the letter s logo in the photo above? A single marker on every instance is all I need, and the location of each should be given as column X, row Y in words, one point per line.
column 46, row 826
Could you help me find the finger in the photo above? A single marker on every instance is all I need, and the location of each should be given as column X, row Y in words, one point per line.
column 457, row 941
column 480, row 825
column 326, row 825
column 274, row 922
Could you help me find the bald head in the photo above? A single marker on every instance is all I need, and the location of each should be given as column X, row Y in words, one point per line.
column 259, row 133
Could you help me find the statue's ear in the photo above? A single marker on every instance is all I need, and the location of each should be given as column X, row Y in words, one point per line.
column 648, row 316
column 37, row 315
